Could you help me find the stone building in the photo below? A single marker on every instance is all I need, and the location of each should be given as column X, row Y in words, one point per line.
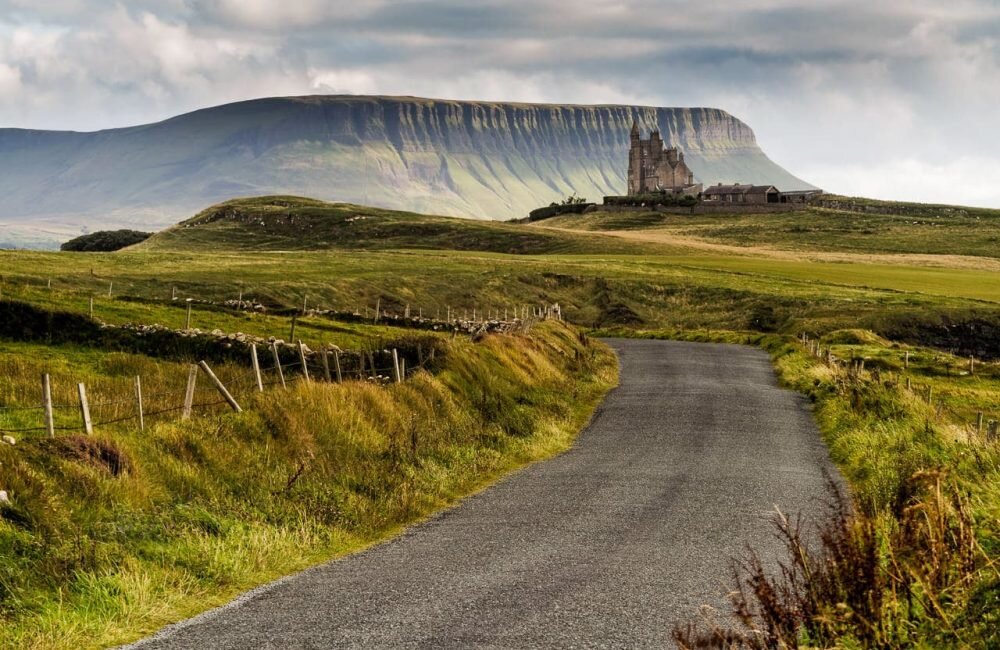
column 754, row 194
column 653, row 167
column 741, row 193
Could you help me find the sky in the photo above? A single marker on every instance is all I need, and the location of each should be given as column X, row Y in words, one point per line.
column 878, row 98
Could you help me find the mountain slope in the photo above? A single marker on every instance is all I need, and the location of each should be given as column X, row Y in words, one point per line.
column 488, row 160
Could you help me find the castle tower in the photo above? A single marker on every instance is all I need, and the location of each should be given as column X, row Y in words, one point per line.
column 635, row 162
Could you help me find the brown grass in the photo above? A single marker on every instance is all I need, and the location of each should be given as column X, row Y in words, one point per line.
column 848, row 583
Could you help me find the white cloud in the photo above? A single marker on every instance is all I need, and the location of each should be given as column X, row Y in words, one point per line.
column 10, row 81
column 965, row 180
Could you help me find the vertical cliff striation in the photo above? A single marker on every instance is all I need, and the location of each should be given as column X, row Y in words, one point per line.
column 478, row 159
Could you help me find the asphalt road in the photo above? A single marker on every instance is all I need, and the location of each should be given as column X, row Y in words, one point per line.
column 608, row 545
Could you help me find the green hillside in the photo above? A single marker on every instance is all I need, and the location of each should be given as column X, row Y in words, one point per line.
column 296, row 223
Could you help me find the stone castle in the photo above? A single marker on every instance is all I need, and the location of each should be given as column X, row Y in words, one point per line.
column 653, row 167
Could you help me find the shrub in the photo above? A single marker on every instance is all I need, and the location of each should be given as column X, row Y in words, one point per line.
column 105, row 241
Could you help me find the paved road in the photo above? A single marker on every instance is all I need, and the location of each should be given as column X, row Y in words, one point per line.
column 605, row 546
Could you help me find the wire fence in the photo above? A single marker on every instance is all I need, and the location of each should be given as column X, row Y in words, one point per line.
column 976, row 424
column 232, row 385
column 124, row 401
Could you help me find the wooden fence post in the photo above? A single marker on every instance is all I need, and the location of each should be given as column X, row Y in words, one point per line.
column 395, row 364
column 979, row 422
column 336, row 365
column 187, row 320
column 305, row 299
column 88, row 426
column 906, row 359
column 47, row 401
column 277, row 364
column 302, row 359
column 138, row 399
column 173, row 293
column 256, row 367
column 189, row 392
column 378, row 306
column 110, row 286
column 972, row 364
column 221, row 388
column 325, row 356
column 91, row 306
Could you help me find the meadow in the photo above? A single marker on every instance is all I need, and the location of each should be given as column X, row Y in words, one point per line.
column 866, row 280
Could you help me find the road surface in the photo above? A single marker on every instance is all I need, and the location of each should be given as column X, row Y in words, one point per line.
column 608, row 545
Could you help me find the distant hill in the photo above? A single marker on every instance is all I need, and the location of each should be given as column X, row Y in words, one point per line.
column 473, row 159
column 291, row 223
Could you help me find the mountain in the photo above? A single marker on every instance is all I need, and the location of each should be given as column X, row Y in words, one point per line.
column 476, row 159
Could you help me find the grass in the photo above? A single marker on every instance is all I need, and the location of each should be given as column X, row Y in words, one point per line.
column 206, row 510
column 859, row 226
column 112, row 536
column 688, row 291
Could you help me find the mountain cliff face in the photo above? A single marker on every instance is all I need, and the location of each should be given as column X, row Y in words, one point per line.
column 477, row 159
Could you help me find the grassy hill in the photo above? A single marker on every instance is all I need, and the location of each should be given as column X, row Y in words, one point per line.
column 295, row 223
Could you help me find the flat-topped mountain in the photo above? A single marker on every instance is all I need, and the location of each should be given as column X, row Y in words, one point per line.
column 476, row 159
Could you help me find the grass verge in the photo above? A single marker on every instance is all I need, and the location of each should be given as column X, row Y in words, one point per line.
column 110, row 537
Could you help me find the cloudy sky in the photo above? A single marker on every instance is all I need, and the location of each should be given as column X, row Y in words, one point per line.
column 892, row 99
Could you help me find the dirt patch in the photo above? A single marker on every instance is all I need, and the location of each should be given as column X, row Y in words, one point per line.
column 95, row 452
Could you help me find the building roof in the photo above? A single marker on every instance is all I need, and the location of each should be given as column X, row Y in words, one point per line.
column 739, row 189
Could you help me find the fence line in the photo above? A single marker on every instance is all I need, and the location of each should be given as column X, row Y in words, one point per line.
column 855, row 369
column 252, row 380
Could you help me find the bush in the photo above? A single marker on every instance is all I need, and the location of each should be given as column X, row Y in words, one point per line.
column 554, row 210
column 105, row 241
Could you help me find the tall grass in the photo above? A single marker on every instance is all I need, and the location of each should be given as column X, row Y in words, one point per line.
column 110, row 537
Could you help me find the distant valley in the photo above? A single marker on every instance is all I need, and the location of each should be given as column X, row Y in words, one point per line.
column 471, row 159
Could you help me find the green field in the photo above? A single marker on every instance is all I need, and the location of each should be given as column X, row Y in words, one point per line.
column 890, row 228
column 868, row 280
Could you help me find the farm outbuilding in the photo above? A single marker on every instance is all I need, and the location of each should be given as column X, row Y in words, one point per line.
column 741, row 193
